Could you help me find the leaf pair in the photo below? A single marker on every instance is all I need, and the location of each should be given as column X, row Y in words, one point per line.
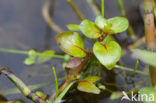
column 101, row 26
column 35, row 57
column 87, row 85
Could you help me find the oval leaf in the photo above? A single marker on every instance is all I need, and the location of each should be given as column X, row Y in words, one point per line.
column 108, row 54
column 119, row 24
column 72, row 43
column 88, row 87
column 103, row 23
column 89, row 29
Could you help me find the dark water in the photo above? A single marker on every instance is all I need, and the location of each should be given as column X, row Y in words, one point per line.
column 22, row 27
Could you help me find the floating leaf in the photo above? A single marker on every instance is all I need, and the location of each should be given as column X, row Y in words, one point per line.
column 88, row 87
column 108, row 54
column 119, row 24
column 103, row 23
column 148, row 95
column 89, row 29
column 116, row 95
column 73, row 27
column 72, row 43
column 92, row 79
column 145, row 56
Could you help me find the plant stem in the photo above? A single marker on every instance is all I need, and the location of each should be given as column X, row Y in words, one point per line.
column 84, row 62
column 26, row 53
column 75, row 8
column 102, row 8
column 21, row 86
column 123, row 13
column 150, row 33
column 130, row 69
column 55, row 81
column 78, row 69
column 13, row 51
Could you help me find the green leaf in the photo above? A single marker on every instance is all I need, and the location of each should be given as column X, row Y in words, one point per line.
column 103, row 23
column 73, row 27
column 58, row 99
column 92, row 79
column 145, row 56
column 100, row 86
column 72, row 43
column 88, row 87
column 107, row 39
column 45, row 56
column 108, row 54
column 148, row 95
column 116, row 95
column 31, row 57
column 89, row 29
column 119, row 24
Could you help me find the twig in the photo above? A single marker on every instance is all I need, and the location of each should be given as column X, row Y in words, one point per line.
column 21, row 86
column 75, row 8
column 150, row 33
column 48, row 19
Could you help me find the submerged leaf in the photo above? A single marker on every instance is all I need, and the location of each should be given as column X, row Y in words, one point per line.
column 89, row 29
column 116, row 95
column 145, row 56
column 148, row 94
column 72, row 43
column 31, row 57
column 108, row 53
column 45, row 56
column 119, row 24
column 16, row 91
column 73, row 27
column 88, row 87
